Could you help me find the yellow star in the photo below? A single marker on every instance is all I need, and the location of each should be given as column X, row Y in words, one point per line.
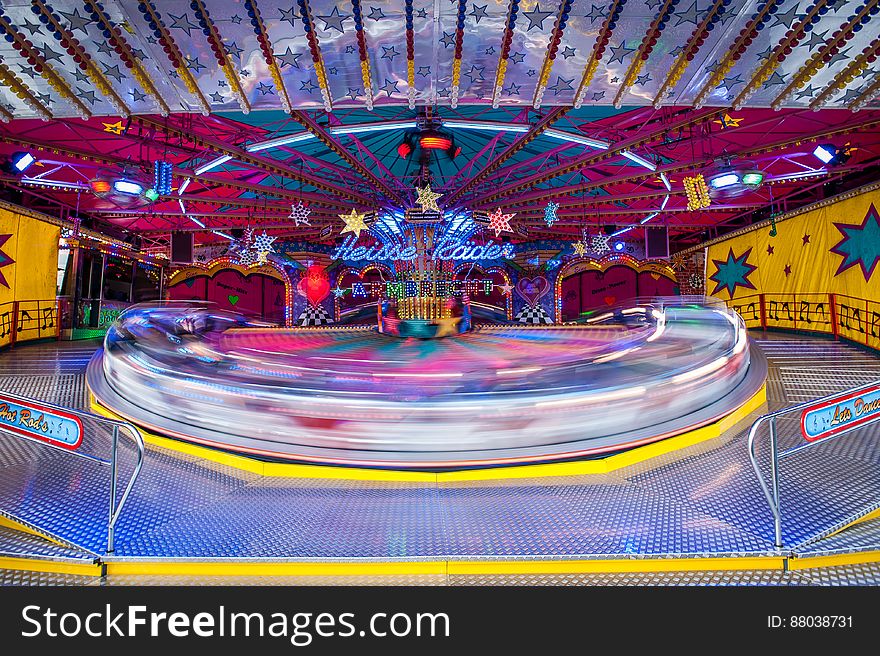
column 579, row 248
column 114, row 128
column 354, row 222
column 727, row 121
column 428, row 199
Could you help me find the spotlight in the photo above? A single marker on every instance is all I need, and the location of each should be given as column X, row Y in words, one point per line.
column 724, row 180
column 21, row 161
column 431, row 140
column 99, row 186
column 619, row 246
column 151, row 195
column 404, row 150
column 128, row 187
column 753, row 178
column 825, row 153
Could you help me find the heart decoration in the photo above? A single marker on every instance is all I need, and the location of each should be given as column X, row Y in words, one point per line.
column 233, row 299
column 655, row 276
column 532, row 289
column 315, row 285
column 609, row 300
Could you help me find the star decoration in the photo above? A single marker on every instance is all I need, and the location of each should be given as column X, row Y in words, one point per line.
column 561, row 85
column 33, row 28
column 300, row 214
column 727, row 121
column 424, row 71
column 349, row 49
column 5, row 260
column 476, row 73
column 579, row 248
column 598, row 95
column 805, row 239
column 567, row 52
column 678, row 262
column 288, row 58
column 247, row 257
column 518, row 57
column 289, row 15
column 599, row 243
column 478, row 12
column 265, row 89
column 773, row 80
column 448, row 39
column 389, row 53
column 595, row 13
column 263, row 246
column 512, row 89
column 236, row 19
column 732, row 273
column 500, row 222
column 114, row 72
column 770, row 250
column 428, row 199
column 787, row 270
column 537, row 17
column 183, row 23
column 307, row 85
column 338, row 292
column 217, row 97
column 334, row 20
column 642, row 80
column 390, row 87
column 354, row 222
column 87, row 95
column 816, row 40
column 49, row 54
column 787, row 18
column 376, row 13
column 137, row 95
column 619, row 52
column 860, row 244
column 687, row 16
column 233, row 50
column 114, row 128
column 550, row 213
column 422, row 13
column 354, row 93
column 506, row 288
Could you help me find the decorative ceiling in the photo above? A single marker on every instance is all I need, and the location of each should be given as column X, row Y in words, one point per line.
column 603, row 107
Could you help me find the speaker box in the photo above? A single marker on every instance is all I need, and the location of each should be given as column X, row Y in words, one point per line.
column 656, row 243
column 181, row 247
column 610, row 229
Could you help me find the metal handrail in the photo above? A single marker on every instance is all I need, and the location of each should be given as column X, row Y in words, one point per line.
column 771, row 492
column 115, row 508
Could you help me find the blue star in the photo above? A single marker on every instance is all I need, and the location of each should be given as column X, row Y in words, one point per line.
column 860, row 244
column 550, row 213
column 732, row 273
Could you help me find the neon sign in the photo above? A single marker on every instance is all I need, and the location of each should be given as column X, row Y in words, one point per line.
column 422, row 288
column 445, row 250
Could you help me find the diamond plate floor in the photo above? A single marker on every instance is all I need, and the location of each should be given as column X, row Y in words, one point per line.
column 700, row 501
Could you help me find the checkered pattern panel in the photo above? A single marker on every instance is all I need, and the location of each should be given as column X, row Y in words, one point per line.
column 314, row 316
column 533, row 314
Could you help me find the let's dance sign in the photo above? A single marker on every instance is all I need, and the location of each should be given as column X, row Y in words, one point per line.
column 841, row 413
column 53, row 426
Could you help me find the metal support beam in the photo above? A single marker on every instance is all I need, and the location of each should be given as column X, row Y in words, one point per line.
column 312, row 126
column 546, row 121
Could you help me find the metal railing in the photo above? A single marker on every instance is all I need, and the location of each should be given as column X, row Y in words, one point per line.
column 115, row 508
column 771, row 491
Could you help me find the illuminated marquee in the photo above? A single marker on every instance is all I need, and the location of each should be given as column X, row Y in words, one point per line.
column 444, row 250
column 421, row 288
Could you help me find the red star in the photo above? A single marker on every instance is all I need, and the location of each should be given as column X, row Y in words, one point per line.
column 500, row 222
column 769, row 250
column 787, row 270
column 806, row 239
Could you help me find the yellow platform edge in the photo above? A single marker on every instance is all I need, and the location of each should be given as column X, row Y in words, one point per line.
column 8, row 522
column 874, row 514
column 54, row 566
column 833, row 560
column 438, row 568
column 575, row 468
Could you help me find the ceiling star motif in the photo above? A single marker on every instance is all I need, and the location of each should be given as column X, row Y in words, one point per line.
column 860, row 244
column 579, row 248
column 428, row 199
column 550, row 213
column 263, row 246
column 500, row 222
column 354, row 222
column 114, row 128
column 300, row 214
column 599, row 243
column 732, row 272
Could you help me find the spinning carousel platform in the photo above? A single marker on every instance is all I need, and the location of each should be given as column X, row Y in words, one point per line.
column 692, row 515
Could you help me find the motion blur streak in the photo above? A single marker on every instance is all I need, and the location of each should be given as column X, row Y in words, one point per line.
column 500, row 393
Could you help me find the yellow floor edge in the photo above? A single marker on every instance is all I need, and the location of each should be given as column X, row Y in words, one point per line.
column 874, row 514
column 7, row 522
column 833, row 560
column 57, row 567
column 577, row 468
column 414, row 568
